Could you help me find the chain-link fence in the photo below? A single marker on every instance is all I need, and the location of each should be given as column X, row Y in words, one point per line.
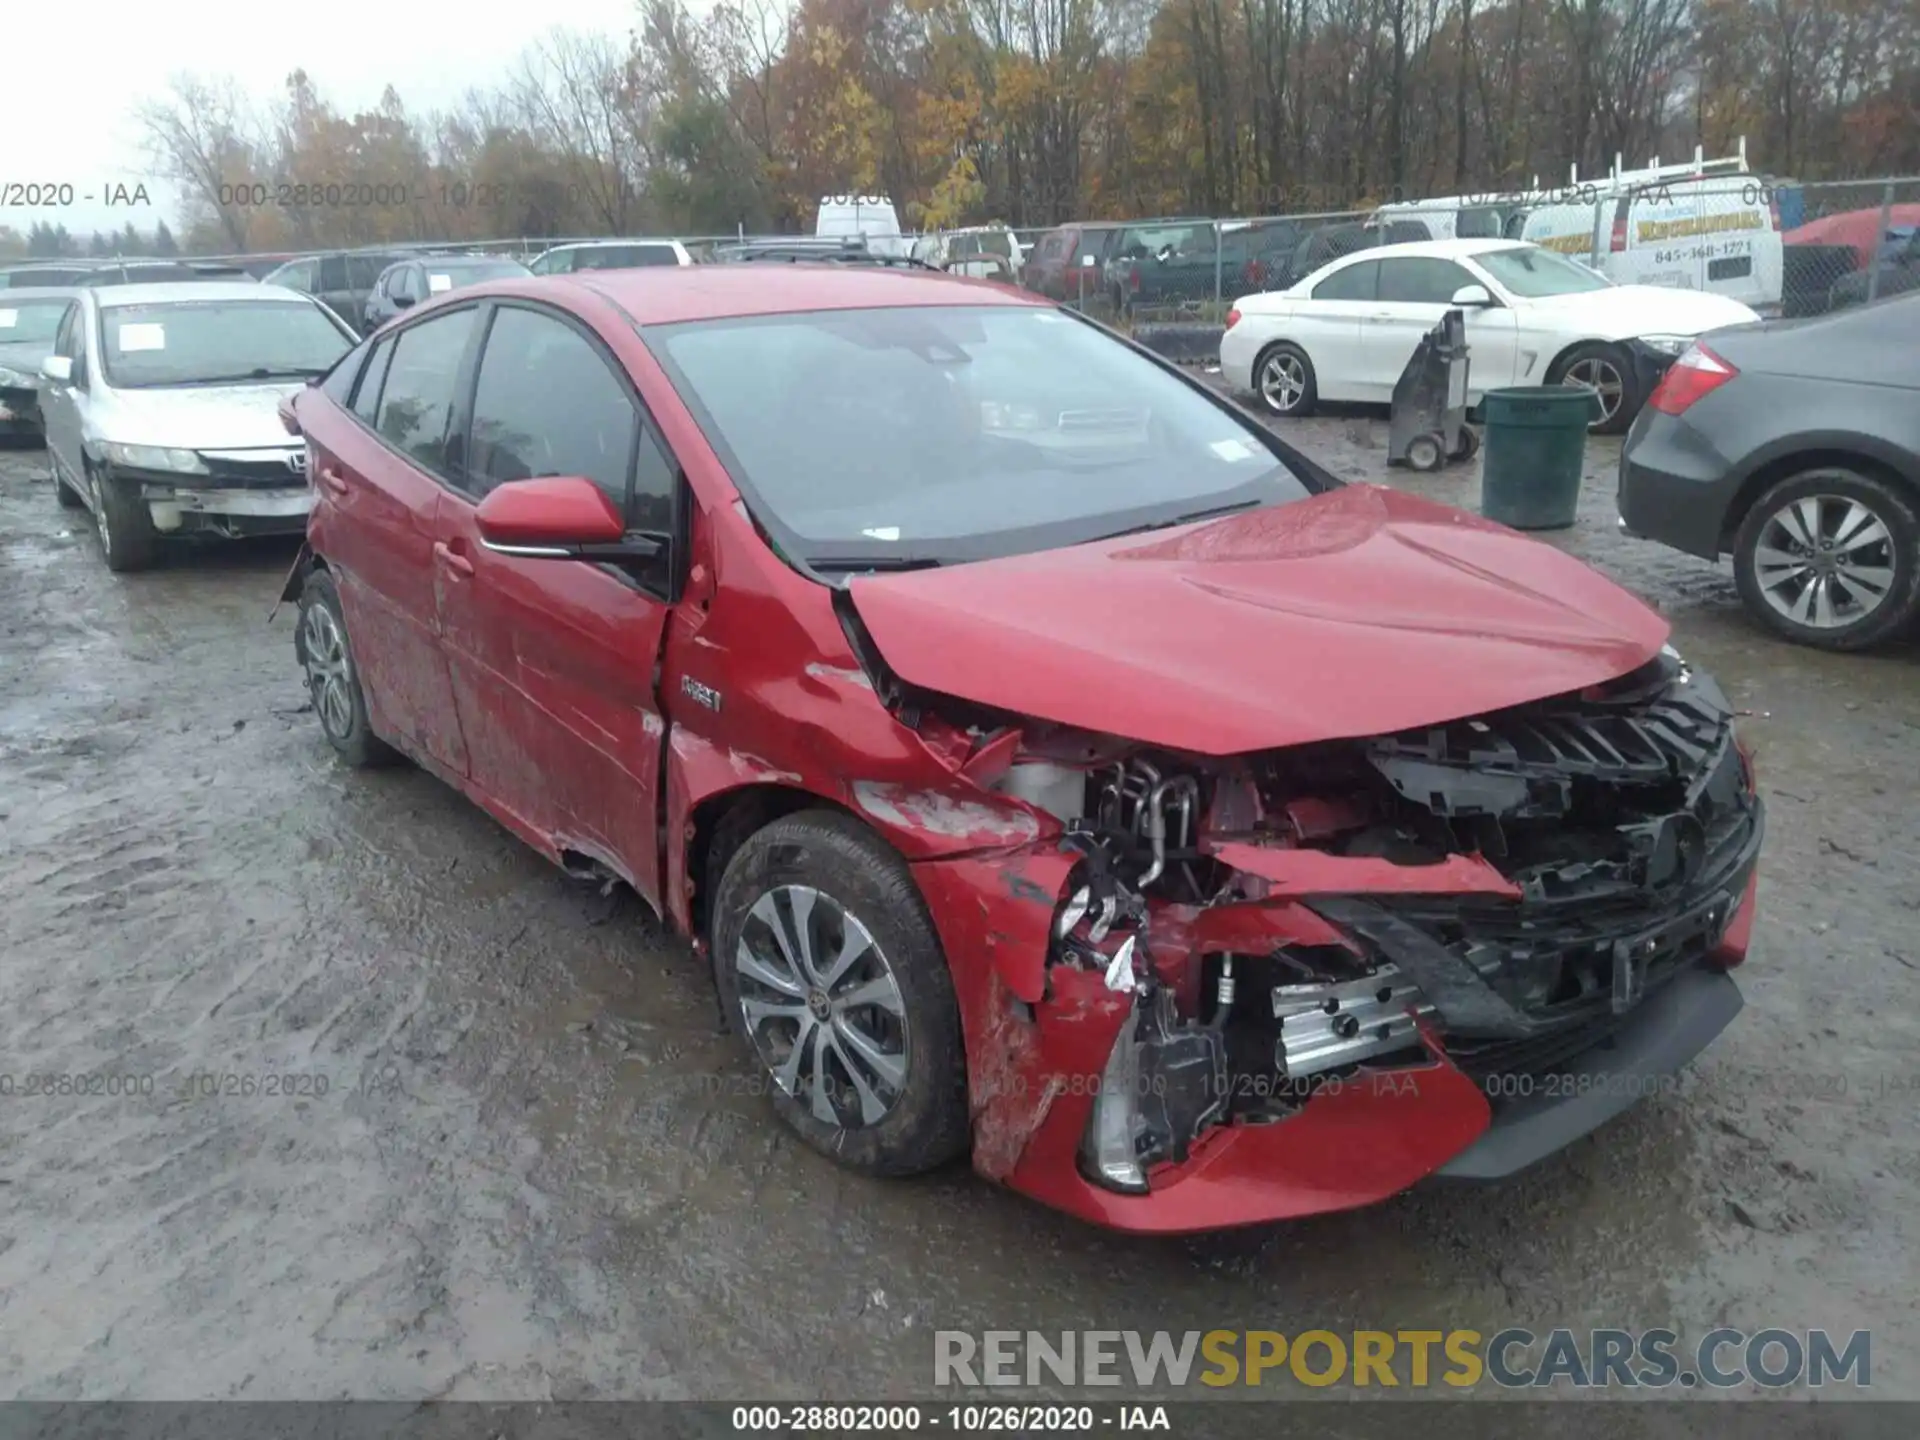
column 1782, row 247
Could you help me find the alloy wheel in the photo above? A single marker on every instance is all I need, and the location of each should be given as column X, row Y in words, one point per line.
column 1603, row 377
column 1283, row 381
column 822, row 1006
column 1824, row 561
column 329, row 671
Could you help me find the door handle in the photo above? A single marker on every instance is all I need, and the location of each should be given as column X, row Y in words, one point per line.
column 331, row 480
column 459, row 564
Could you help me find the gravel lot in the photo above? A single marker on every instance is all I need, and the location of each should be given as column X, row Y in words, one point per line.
column 526, row 1165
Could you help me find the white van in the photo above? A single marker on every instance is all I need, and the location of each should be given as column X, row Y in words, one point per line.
column 870, row 216
column 1711, row 225
column 1455, row 217
column 1704, row 225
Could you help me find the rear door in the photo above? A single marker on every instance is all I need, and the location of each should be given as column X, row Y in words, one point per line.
column 379, row 471
column 554, row 660
column 1330, row 325
column 59, row 416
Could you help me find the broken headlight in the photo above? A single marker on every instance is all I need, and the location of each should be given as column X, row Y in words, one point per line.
column 1165, row 1084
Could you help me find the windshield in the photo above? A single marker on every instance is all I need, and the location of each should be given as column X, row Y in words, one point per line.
column 198, row 342
column 937, row 434
column 1534, row 273
column 30, row 322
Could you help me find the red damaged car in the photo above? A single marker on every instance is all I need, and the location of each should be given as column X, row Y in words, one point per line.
column 1051, row 763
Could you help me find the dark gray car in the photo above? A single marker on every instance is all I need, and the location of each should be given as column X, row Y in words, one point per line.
column 29, row 321
column 1795, row 448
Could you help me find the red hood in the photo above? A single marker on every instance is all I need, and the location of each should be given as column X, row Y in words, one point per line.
column 1358, row 612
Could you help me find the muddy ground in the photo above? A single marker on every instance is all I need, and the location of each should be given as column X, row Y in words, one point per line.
column 536, row 1170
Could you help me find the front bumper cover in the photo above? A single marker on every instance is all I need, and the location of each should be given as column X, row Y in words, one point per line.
column 1037, row 1064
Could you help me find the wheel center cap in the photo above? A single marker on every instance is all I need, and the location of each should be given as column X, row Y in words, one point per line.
column 818, row 1004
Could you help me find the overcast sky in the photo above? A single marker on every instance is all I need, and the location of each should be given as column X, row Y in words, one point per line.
column 73, row 78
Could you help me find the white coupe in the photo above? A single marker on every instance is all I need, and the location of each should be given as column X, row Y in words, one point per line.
column 1347, row 331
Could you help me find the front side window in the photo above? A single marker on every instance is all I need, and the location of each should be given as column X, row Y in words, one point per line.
column 31, row 322
column 417, row 400
column 362, row 271
column 947, row 434
column 210, row 342
column 548, row 403
column 1533, row 273
column 1421, row 281
column 1358, row 281
column 366, row 394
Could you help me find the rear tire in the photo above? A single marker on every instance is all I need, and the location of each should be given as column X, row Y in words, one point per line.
column 1847, row 515
column 1284, row 380
column 878, row 1084
column 1608, row 369
column 333, row 679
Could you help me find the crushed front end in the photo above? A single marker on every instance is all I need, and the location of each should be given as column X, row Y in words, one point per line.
column 1242, row 990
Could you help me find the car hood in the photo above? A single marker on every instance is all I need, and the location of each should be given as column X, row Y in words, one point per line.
column 200, row 417
column 1358, row 612
column 1622, row 311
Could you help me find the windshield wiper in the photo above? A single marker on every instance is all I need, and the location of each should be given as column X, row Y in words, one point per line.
column 876, row 562
column 1190, row 518
column 259, row 372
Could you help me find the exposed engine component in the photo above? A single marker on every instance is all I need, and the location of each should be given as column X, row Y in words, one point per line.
column 1326, row 1027
column 1060, row 790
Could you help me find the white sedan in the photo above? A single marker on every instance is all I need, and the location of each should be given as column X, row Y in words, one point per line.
column 1347, row 331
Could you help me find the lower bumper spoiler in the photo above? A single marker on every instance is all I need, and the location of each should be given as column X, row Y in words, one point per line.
column 1639, row 1060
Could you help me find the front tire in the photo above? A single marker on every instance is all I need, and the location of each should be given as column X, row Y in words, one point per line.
column 125, row 525
column 829, row 966
column 1830, row 557
column 1283, row 378
column 1607, row 370
column 333, row 680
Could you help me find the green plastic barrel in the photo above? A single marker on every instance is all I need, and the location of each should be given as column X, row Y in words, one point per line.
column 1536, row 442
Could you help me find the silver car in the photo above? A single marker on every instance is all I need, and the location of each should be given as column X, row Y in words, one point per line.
column 160, row 404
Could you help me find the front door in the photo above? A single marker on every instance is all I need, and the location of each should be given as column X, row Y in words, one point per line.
column 554, row 661
column 1415, row 292
column 377, row 504
column 59, row 414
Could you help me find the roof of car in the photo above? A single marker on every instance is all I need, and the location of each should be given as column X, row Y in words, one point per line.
column 176, row 291
column 605, row 244
column 1447, row 249
column 711, row 292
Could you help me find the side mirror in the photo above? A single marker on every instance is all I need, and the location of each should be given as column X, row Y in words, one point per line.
column 558, row 518
column 402, row 302
column 58, row 368
column 1472, row 297
column 289, row 421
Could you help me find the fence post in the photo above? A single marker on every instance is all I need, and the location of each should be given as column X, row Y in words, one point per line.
column 1219, row 260
column 1880, row 242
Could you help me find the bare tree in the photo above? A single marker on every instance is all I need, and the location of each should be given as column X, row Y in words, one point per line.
column 206, row 138
column 573, row 91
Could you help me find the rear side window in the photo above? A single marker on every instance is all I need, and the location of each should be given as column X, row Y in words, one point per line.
column 1356, row 282
column 1482, row 222
column 416, row 402
column 366, row 395
column 548, row 403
